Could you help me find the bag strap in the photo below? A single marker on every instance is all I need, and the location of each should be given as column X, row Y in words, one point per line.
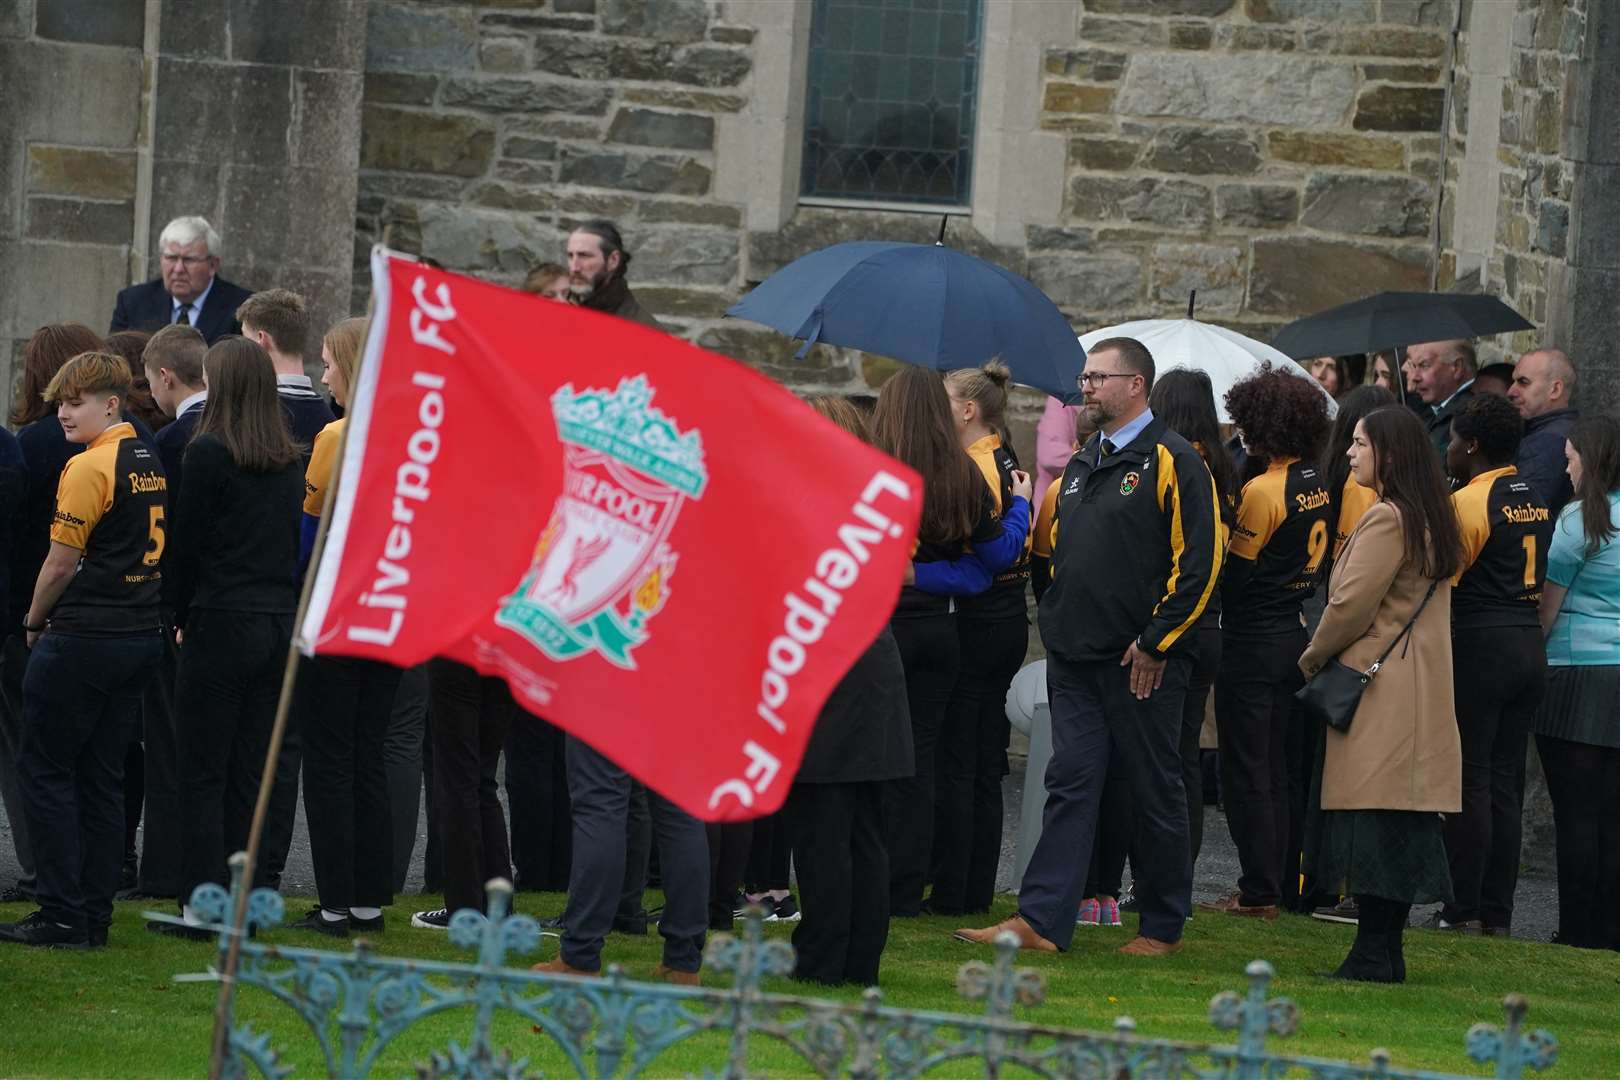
column 1407, row 629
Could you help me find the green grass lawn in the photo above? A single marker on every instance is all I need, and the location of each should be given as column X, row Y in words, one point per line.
column 117, row 1013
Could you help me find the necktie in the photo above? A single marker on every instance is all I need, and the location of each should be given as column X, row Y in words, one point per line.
column 183, row 318
column 1108, row 448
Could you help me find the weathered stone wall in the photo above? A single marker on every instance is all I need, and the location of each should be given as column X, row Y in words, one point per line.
column 1525, row 56
column 490, row 129
column 1279, row 156
column 117, row 117
column 256, row 127
column 71, row 91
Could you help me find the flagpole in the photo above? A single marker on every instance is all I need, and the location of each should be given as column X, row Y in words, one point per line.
column 289, row 677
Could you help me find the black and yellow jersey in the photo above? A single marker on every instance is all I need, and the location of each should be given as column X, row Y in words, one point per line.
column 1279, row 545
column 1354, row 500
column 1136, row 549
column 318, row 475
column 1505, row 529
column 1005, row 597
column 110, row 505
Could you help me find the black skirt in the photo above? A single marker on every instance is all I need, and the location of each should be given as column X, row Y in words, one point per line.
column 1398, row 855
column 1580, row 705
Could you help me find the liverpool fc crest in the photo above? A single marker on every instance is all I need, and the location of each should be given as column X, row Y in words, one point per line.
column 602, row 567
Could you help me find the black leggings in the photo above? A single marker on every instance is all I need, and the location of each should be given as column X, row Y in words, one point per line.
column 929, row 651
column 1584, row 782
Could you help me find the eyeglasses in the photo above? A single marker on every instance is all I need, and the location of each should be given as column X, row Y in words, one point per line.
column 188, row 260
column 1098, row 378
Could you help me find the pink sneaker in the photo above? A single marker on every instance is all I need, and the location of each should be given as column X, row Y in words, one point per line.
column 1090, row 912
column 1108, row 914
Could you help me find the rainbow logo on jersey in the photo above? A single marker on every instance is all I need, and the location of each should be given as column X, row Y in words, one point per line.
column 602, row 566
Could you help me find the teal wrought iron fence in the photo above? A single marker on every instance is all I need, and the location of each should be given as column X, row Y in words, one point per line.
column 356, row 1004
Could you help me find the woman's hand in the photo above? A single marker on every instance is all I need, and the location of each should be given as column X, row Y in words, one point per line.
column 179, row 637
column 33, row 637
column 910, row 575
column 1022, row 485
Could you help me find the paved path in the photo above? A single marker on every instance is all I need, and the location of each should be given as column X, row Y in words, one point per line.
column 1535, row 914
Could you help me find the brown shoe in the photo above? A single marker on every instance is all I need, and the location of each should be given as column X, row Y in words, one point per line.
column 1233, row 905
column 678, row 978
column 559, row 966
column 1026, row 935
column 1146, row 946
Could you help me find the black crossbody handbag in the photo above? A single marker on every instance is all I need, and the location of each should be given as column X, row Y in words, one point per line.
column 1333, row 693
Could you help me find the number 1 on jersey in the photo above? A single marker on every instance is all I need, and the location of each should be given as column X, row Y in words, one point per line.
column 1530, row 562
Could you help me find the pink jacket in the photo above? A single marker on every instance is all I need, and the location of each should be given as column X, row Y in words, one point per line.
column 1054, row 443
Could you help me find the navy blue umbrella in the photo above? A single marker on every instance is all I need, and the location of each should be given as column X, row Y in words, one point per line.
column 925, row 304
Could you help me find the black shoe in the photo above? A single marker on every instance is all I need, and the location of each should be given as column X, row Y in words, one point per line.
column 431, row 920
column 16, row 894
column 784, row 910
column 97, row 937
column 187, row 933
column 366, row 926
column 37, row 930
column 1369, row 959
column 554, row 924
column 321, row 924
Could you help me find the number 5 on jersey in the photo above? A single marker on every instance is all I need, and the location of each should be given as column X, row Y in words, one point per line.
column 154, row 537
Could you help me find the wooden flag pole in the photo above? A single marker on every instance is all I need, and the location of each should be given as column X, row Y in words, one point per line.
column 289, row 677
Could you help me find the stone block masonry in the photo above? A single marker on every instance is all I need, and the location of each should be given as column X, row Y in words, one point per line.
column 1278, row 156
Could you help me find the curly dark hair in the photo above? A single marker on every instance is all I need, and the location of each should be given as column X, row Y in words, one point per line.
column 1280, row 415
column 1494, row 422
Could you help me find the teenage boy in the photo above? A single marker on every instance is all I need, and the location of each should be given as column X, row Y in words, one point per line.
column 93, row 626
column 174, row 370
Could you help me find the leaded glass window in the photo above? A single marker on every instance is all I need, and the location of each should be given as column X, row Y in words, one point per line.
column 889, row 115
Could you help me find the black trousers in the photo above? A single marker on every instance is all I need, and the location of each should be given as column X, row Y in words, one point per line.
column 162, row 840
column 1254, row 707
column 930, row 652
column 600, row 791
column 1096, row 719
column 729, row 847
column 282, row 813
column 134, row 800
column 13, row 662
column 469, row 716
column 970, row 762
column 345, row 708
column 1499, row 676
column 402, row 760
column 537, row 800
column 1584, row 782
column 770, row 854
column 638, row 846
column 1206, row 665
column 838, row 848
column 226, row 688
column 81, row 704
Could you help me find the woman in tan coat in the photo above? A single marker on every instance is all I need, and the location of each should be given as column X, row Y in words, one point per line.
column 1387, row 779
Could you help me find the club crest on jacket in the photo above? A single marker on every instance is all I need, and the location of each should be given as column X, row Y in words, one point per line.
column 1128, row 484
column 602, row 566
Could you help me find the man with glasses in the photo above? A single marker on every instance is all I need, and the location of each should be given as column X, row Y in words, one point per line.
column 189, row 290
column 1136, row 554
column 1441, row 374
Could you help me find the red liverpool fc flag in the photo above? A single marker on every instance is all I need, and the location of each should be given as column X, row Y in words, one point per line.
column 661, row 551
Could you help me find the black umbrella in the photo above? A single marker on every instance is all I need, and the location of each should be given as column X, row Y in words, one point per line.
column 1395, row 319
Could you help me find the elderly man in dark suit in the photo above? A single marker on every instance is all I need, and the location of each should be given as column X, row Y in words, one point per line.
column 1441, row 374
column 190, row 290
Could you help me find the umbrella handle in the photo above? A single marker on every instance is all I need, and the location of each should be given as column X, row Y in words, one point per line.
column 1191, row 298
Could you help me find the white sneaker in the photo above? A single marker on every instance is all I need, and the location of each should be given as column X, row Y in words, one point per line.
column 431, row 920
